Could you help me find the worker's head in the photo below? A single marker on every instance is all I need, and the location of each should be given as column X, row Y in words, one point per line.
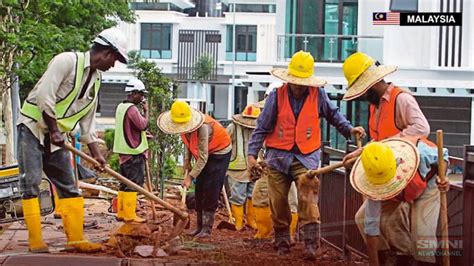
column 109, row 46
column 385, row 168
column 136, row 91
column 181, row 119
column 251, row 111
column 364, row 77
column 379, row 162
column 299, row 74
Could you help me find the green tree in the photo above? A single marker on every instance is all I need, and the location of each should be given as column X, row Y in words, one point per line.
column 203, row 68
column 164, row 148
column 32, row 32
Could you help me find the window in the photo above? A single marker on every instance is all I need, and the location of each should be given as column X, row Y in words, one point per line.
column 329, row 17
column 255, row 8
column 404, row 5
column 155, row 40
column 246, row 43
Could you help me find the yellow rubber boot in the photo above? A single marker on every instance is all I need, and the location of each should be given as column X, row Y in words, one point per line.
column 293, row 225
column 263, row 219
column 31, row 214
column 251, row 214
column 120, row 206
column 57, row 209
column 73, row 221
column 129, row 202
column 238, row 213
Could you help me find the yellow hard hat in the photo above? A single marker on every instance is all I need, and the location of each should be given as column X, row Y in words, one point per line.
column 379, row 162
column 251, row 111
column 301, row 65
column 180, row 112
column 355, row 65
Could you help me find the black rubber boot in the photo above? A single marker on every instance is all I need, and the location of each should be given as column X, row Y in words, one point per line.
column 310, row 237
column 282, row 241
column 207, row 223
column 199, row 225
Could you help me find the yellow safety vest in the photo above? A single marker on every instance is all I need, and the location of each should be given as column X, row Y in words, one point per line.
column 66, row 123
column 120, row 142
column 239, row 162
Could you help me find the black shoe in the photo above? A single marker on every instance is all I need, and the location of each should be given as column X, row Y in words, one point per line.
column 199, row 225
column 207, row 223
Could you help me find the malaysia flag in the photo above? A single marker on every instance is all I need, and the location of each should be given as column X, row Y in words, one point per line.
column 386, row 18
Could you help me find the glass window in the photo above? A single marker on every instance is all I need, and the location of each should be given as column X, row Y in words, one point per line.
column 328, row 17
column 404, row 5
column 255, row 8
column 246, row 43
column 155, row 40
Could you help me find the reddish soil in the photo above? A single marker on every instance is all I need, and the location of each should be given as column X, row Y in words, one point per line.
column 224, row 247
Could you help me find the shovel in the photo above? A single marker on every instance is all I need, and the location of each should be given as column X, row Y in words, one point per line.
column 184, row 216
column 329, row 168
column 183, row 202
column 230, row 225
column 443, row 215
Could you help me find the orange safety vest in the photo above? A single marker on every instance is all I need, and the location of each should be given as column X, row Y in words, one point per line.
column 386, row 126
column 218, row 141
column 417, row 185
column 304, row 132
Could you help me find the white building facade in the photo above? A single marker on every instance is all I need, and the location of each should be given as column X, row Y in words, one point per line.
column 435, row 63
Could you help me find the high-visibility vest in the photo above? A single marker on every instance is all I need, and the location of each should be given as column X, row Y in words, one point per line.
column 219, row 140
column 238, row 160
column 121, row 144
column 385, row 126
column 303, row 131
column 417, row 185
column 66, row 123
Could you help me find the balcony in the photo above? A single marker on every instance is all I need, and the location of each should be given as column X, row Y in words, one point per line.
column 328, row 48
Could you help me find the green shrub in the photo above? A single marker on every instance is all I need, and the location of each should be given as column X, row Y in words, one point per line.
column 114, row 162
column 109, row 138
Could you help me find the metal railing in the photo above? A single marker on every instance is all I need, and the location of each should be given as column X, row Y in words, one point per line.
column 327, row 47
column 339, row 203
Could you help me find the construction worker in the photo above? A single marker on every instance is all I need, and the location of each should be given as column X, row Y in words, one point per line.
column 65, row 95
column 241, row 187
column 393, row 113
column 207, row 141
column 263, row 215
column 131, row 143
column 289, row 126
column 394, row 174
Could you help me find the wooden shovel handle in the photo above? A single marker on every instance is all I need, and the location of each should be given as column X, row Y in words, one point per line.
column 329, row 168
column 181, row 214
column 443, row 200
column 183, row 192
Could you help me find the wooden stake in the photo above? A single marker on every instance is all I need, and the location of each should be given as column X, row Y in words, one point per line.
column 150, row 187
column 444, row 203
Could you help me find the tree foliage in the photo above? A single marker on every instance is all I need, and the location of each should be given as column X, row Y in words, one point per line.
column 203, row 67
column 32, row 32
column 164, row 148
